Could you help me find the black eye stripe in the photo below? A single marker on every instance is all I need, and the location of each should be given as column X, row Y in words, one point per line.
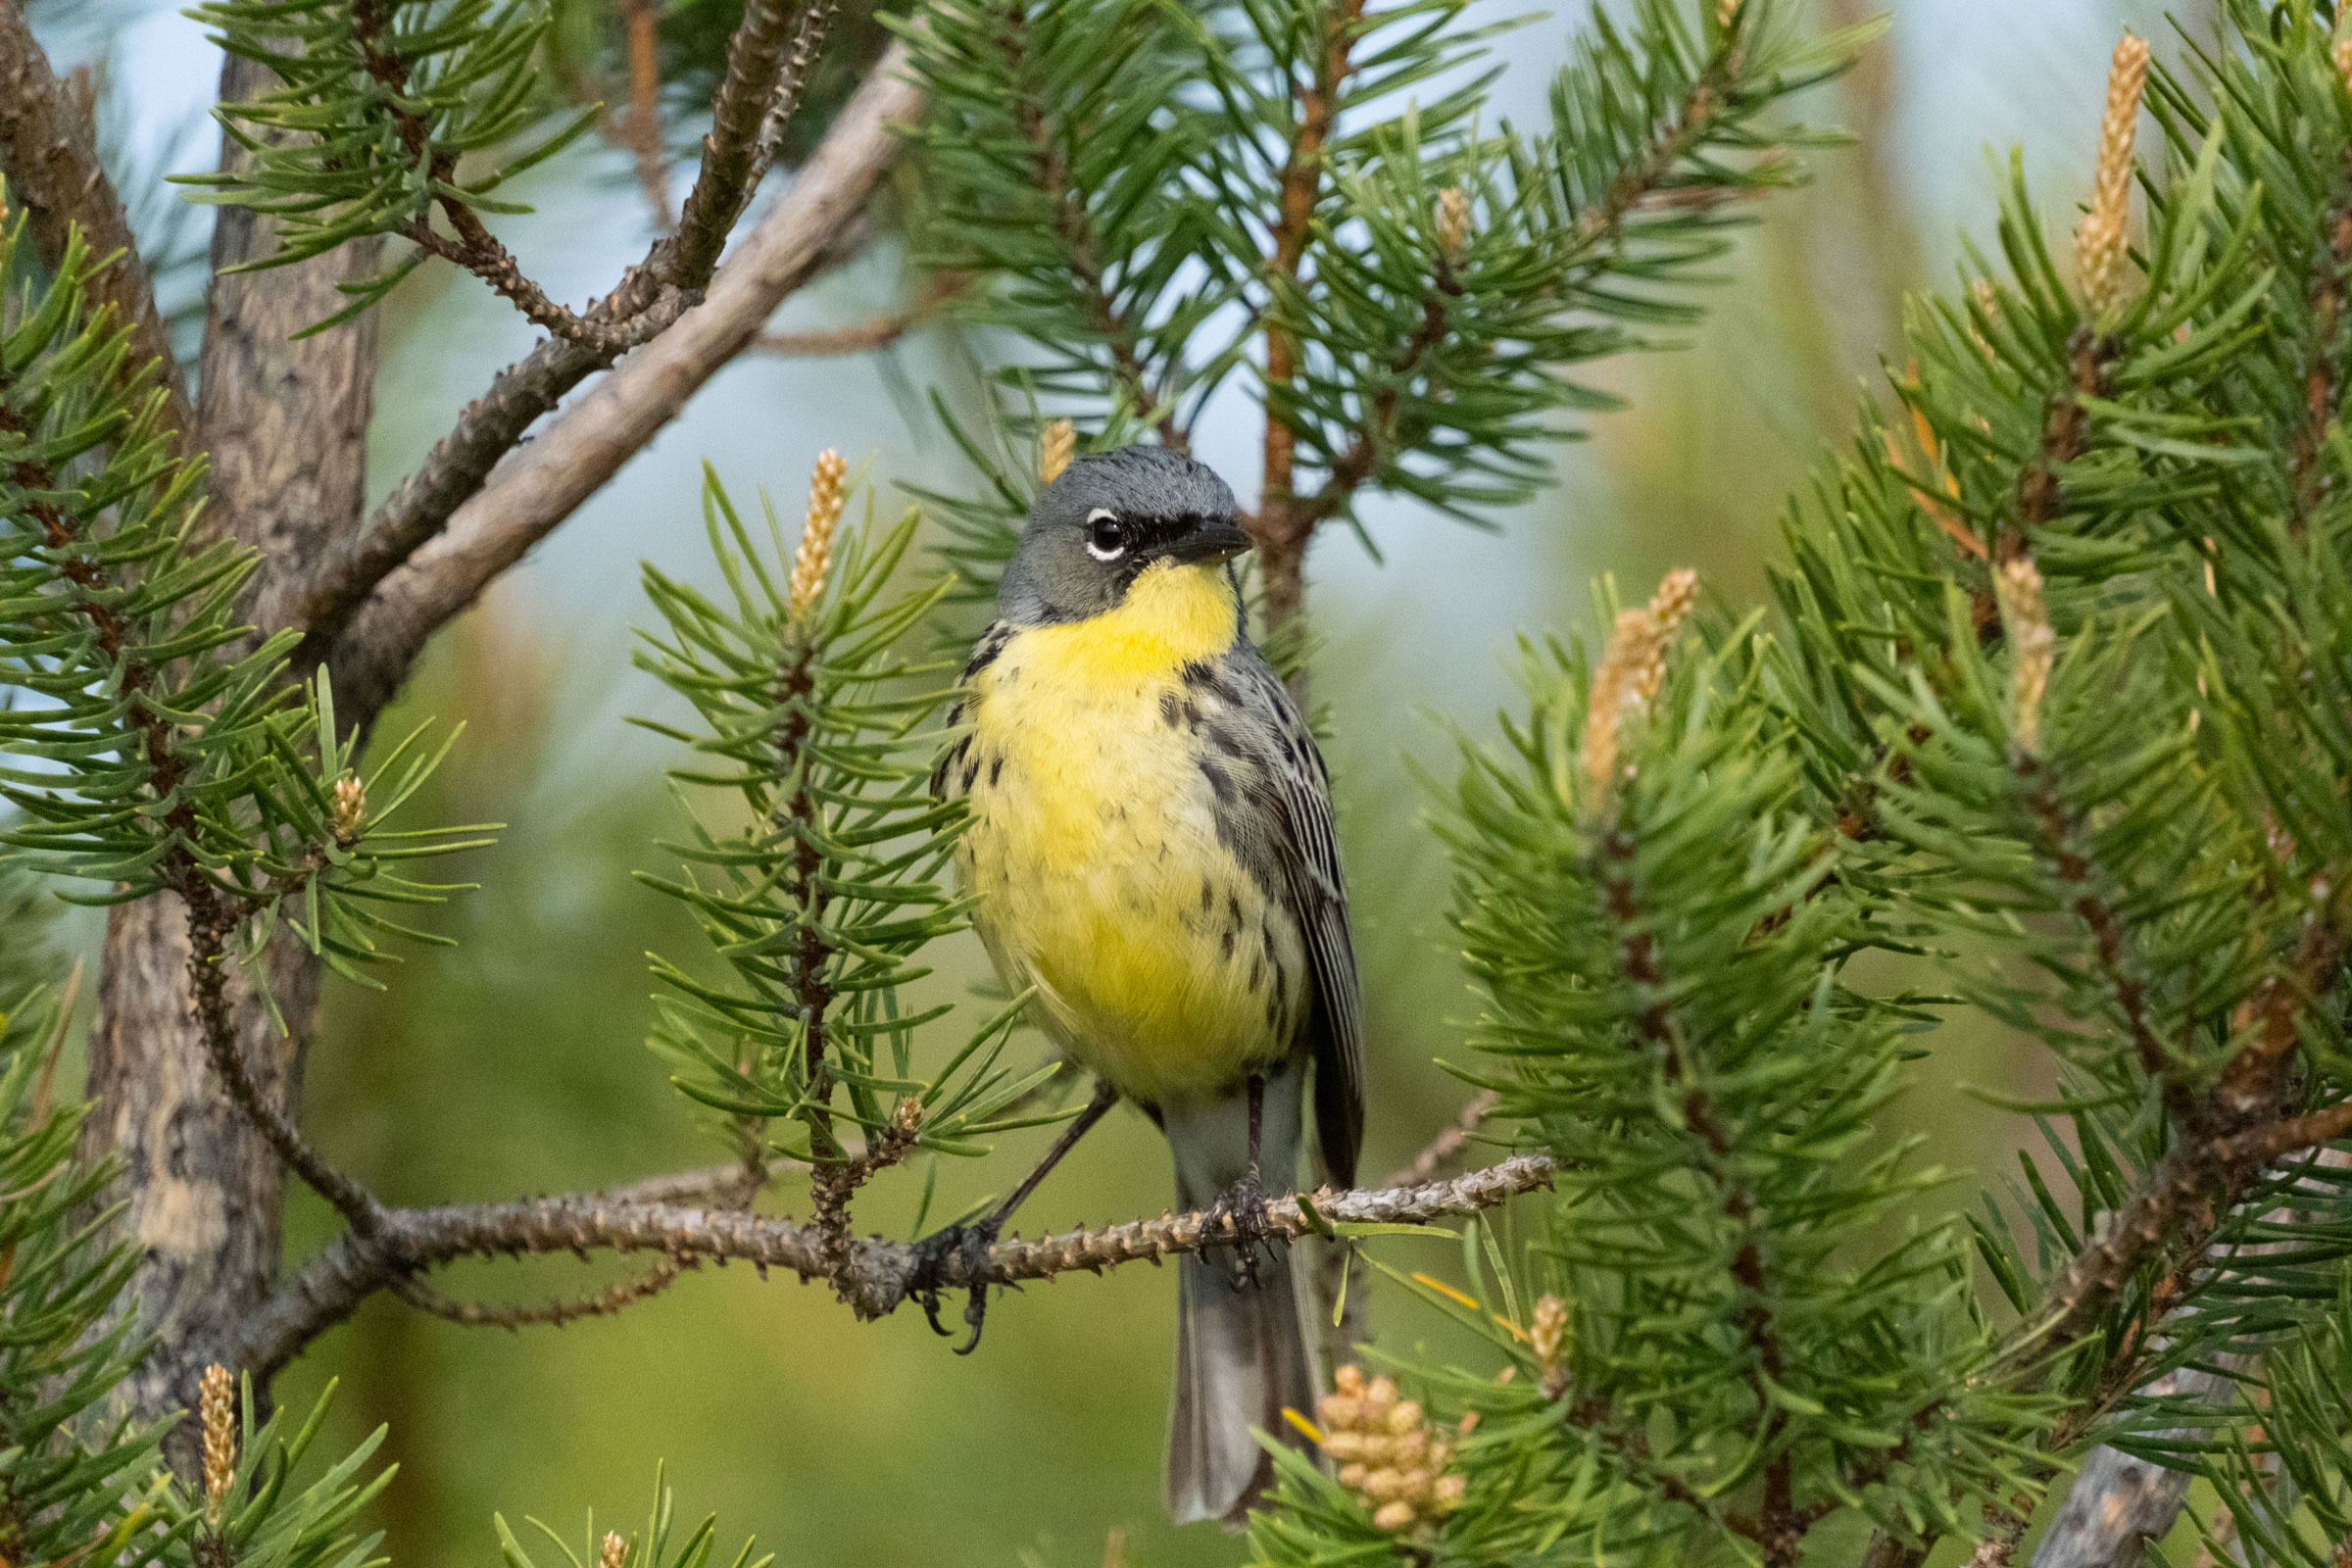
column 1141, row 533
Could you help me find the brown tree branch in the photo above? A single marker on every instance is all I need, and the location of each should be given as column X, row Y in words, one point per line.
column 535, row 488
column 936, row 291
column 49, row 154
column 731, row 165
column 872, row 1277
column 1280, row 525
column 650, row 299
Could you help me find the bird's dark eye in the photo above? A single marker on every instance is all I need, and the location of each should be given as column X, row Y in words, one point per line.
column 1106, row 535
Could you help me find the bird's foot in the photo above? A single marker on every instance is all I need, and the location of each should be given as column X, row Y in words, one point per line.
column 969, row 1245
column 1241, row 1210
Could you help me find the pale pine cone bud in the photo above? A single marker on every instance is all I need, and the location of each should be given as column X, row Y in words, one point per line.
column 217, row 1410
column 1452, row 224
column 351, row 810
column 614, row 1551
column 815, row 557
column 1055, row 451
column 1398, row 1515
column 2100, row 239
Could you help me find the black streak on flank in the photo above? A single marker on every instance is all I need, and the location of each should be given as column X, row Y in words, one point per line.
column 949, row 765
column 1225, row 943
column 996, row 769
column 1208, row 897
column 1199, row 673
column 1171, row 712
column 1220, row 783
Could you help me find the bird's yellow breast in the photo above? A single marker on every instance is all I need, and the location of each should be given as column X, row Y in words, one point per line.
column 1157, row 960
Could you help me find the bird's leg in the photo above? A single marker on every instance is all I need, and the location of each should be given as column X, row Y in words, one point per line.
column 972, row 1242
column 1243, row 1206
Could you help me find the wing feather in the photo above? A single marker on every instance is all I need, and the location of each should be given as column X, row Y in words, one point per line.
column 1296, row 790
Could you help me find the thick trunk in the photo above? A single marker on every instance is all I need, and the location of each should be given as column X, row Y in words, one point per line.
column 285, row 425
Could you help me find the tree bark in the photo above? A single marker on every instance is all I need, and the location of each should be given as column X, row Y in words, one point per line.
column 285, row 425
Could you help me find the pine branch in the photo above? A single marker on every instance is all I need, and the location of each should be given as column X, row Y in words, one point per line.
column 49, row 157
column 210, row 925
column 873, row 1276
column 731, row 152
column 1280, row 525
column 507, row 505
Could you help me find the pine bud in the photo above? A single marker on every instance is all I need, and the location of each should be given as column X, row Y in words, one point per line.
column 2340, row 56
column 815, row 557
column 351, row 810
column 1054, row 452
column 1453, row 224
column 2100, row 241
column 218, row 1411
column 614, row 1551
column 1547, row 1336
column 1727, row 12
column 1447, row 1494
column 1394, row 1516
column 1633, row 670
column 2026, row 620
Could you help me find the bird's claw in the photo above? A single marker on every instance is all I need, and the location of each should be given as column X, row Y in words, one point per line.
column 1241, row 1210
column 970, row 1244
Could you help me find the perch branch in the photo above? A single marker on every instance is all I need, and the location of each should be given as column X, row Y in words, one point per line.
column 872, row 1276
column 49, row 153
column 535, row 488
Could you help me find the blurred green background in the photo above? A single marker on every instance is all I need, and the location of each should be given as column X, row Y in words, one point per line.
column 514, row 1062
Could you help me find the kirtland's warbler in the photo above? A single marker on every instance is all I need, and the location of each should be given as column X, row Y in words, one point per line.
column 1151, row 842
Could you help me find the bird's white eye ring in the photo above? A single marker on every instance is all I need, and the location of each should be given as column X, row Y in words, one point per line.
column 1105, row 537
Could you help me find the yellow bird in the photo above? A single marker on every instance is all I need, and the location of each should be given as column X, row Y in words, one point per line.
column 1151, row 841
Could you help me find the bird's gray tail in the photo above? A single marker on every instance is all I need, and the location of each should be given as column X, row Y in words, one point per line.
column 1241, row 1354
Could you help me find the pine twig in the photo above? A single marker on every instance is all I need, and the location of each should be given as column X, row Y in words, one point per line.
column 535, row 488
column 874, row 1277
column 1282, row 525
column 938, row 290
column 731, row 167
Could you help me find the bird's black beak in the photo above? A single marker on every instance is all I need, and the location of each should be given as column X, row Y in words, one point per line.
column 1209, row 542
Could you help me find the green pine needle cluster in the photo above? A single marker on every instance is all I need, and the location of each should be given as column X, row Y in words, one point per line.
column 1158, row 202
column 2053, row 700
column 657, row 1548
column 156, row 742
column 385, row 111
column 824, row 880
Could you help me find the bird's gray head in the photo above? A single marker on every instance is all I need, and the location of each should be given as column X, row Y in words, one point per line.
column 1095, row 530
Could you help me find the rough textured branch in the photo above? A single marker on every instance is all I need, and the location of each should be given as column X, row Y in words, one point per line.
column 537, row 487
column 872, row 1278
column 49, row 154
column 731, row 164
